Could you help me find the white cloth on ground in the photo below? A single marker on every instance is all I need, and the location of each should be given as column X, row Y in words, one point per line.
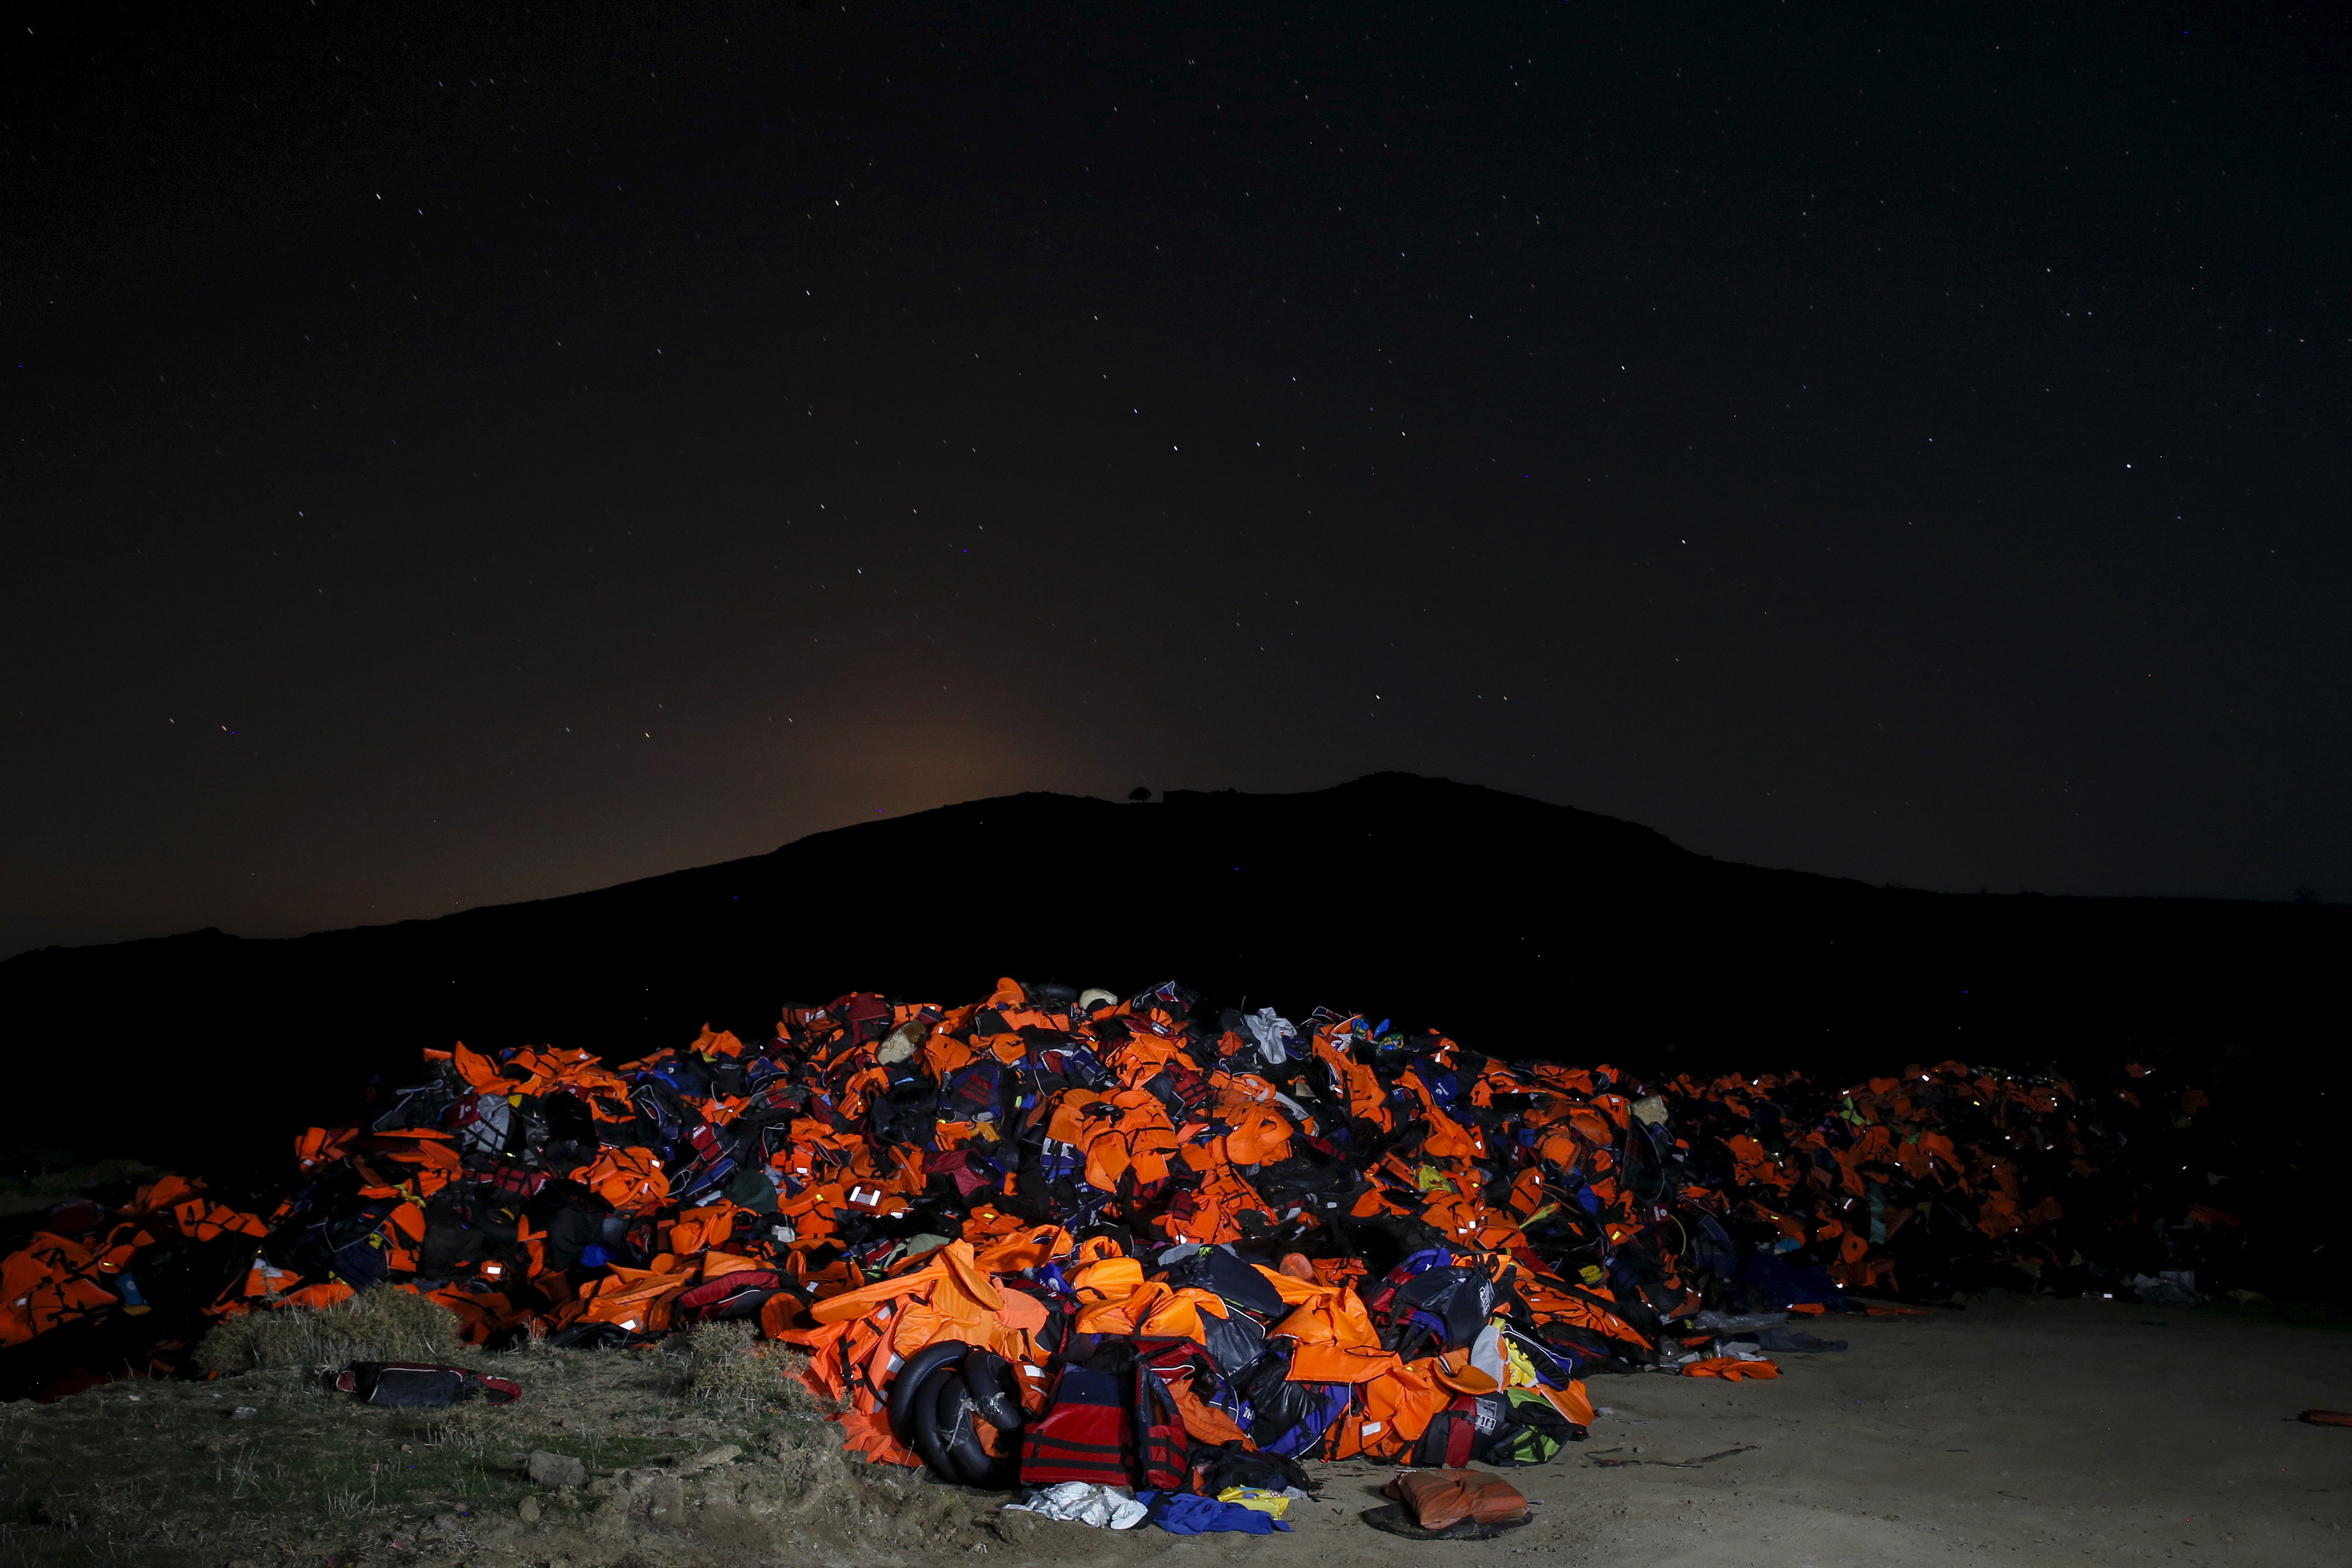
column 1083, row 1502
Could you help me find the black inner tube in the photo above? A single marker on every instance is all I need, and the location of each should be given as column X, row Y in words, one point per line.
column 925, row 1431
column 990, row 1378
column 911, row 1374
column 954, row 1422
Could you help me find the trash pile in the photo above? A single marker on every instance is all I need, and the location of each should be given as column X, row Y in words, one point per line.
column 1063, row 1241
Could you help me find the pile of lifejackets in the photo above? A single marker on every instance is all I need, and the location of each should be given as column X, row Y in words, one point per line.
column 1052, row 1236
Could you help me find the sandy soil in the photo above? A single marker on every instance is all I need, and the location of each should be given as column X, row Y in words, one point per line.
column 2062, row 1431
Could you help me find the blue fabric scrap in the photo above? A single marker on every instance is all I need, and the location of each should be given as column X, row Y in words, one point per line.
column 1188, row 1513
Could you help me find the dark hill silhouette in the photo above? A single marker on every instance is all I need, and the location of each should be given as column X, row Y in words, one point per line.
column 1523, row 928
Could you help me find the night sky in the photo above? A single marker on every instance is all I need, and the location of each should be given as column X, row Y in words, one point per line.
column 464, row 453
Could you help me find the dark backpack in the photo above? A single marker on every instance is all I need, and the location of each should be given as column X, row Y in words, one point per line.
column 1234, row 1281
column 1456, row 1434
column 421, row 1386
column 1530, row 1431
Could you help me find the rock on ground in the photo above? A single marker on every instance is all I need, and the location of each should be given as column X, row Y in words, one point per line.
column 557, row 1470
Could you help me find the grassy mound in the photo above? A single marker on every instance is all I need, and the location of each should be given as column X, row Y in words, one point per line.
column 381, row 1324
column 707, row 1439
column 730, row 1367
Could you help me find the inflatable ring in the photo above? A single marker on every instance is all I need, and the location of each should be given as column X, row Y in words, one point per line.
column 954, row 1429
column 911, row 1372
column 951, row 1426
column 931, row 1393
column 995, row 1393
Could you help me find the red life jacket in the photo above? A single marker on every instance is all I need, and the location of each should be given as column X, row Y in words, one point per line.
column 1448, row 1441
column 1162, row 1446
column 1086, row 1436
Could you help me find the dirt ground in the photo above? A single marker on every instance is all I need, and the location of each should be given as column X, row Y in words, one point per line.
column 2012, row 1432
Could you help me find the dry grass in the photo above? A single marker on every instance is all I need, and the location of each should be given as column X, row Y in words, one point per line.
column 472, row 1429
column 167, row 1475
column 379, row 1324
column 727, row 1364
